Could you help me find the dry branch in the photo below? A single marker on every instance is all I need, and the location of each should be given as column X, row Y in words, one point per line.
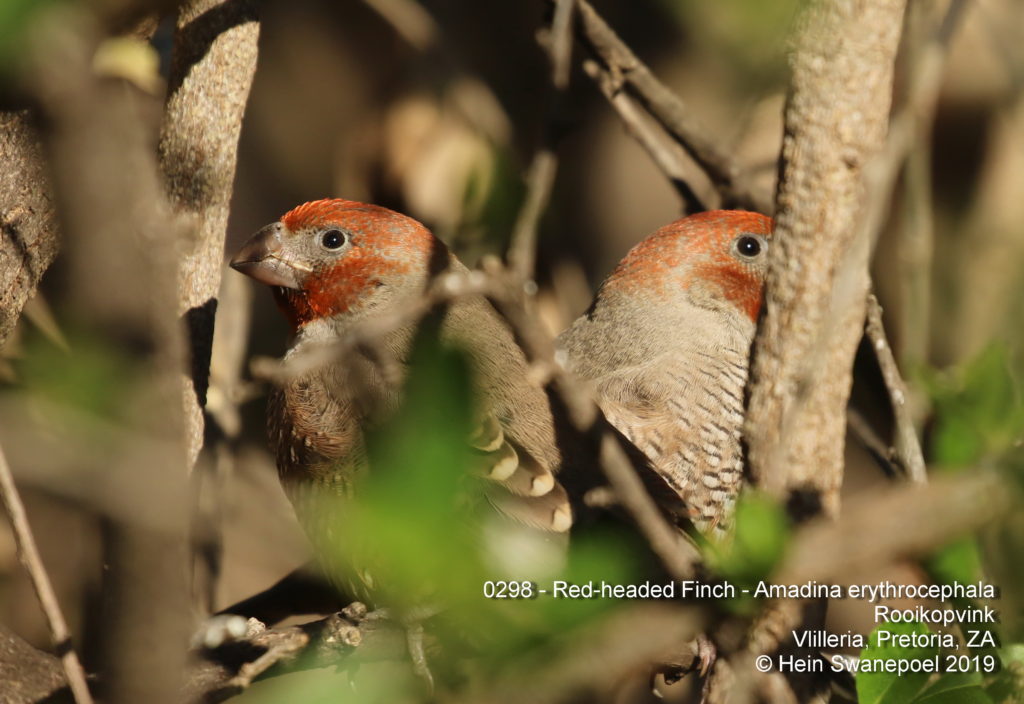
column 626, row 70
column 28, row 553
column 522, row 250
column 835, row 124
column 664, row 154
column 221, row 673
column 907, row 451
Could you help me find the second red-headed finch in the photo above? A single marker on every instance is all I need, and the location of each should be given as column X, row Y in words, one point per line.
column 666, row 344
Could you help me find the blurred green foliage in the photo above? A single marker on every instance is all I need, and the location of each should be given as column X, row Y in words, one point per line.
column 959, row 561
column 979, row 414
column 1008, row 684
column 759, row 543
column 978, row 424
column 417, row 529
column 748, row 33
column 16, row 19
column 93, row 375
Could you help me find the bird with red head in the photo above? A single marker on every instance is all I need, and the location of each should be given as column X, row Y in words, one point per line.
column 333, row 263
column 666, row 345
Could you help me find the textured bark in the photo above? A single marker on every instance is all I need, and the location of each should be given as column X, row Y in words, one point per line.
column 28, row 675
column 212, row 70
column 836, row 121
column 28, row 226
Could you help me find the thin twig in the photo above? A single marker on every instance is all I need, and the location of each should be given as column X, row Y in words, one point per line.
column 28, row 553
column 446, row 288
column 561, row 44
column 667, row 108
column 522, row 250
column 907, row 446
column 649, row 137
column 541, row 179
column 879, row 449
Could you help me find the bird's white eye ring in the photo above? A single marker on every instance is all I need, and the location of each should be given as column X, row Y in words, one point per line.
column 332, row 239
column 749, row 246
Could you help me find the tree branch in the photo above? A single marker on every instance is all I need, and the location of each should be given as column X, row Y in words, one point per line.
column 667, row 159
column 120, row 234
column 817, row 282
column 907, row 449
column 522, row 250
column 213, row 65
column 667, row 108
column 28, row 223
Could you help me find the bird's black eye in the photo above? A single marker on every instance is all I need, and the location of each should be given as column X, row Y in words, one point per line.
column 332, row 239
column 748, row 246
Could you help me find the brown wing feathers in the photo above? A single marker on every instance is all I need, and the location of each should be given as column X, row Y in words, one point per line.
column 520, row 486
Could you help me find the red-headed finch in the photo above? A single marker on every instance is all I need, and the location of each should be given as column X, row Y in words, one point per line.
column 333, row 263
column 666, row 344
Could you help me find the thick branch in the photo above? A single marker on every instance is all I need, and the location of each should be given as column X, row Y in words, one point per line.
column 214, row 62
column 120, row 237
column 895, row 524
column 817, row 283
column 28, row 224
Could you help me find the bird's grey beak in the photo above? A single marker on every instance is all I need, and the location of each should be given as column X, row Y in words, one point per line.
column 262, row 259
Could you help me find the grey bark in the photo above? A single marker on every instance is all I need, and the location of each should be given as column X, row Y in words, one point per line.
column 28, row 225
column 211, row 73
column 836, row 122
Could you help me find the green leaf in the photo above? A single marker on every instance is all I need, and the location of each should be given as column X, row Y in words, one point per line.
column 960, row 561
column 978, row 409
column 1008, row 684
column 762, row 532
column 891, row 687
column 17, row 18
column 93, row 375
column 955, row 688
